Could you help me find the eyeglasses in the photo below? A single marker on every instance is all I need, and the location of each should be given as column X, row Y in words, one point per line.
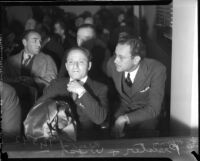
column 122, row 58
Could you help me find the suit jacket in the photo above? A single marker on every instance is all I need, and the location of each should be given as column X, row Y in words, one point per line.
column 147, row 91
column 11, row 110
column 43, row 68
column 91, row 108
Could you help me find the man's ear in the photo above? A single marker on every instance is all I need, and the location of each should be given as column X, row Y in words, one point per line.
column 136, row 59
column 89, row 65
column 66, row 65
column 24, row 42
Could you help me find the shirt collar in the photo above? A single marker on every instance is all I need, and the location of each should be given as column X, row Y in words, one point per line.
column 132, row 74
column 82, row 80
column 26, row 55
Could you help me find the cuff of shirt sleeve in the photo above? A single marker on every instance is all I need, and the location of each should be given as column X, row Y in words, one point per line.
column 81, row 93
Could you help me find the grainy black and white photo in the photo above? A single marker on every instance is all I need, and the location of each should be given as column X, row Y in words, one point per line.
column 86, row 80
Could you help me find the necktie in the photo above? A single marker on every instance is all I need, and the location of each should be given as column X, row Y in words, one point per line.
column 74, row 96
column 27, row 60
column 128, row 80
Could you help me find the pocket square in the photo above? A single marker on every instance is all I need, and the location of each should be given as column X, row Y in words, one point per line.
column 145, row 89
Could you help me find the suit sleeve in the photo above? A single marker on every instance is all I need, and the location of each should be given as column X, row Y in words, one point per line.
column 156, row 94
column 11, row 110
column 53, row 90
column 48, row 71
column 95, row 108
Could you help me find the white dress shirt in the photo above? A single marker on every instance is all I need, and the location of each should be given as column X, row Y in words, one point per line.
column 132, row 74
column 25, row 57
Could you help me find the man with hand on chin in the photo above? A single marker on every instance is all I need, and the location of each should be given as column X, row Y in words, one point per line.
column 88, row 98
column 140, row 83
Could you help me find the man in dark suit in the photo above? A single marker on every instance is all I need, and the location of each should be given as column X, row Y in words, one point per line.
column 88, row 97
column 86, row 37
column 30, row 70
column 31, row 62
column 140, row 83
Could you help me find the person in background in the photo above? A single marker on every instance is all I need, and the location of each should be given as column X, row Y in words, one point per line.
column 122, row 29
column 10, row 111
column 50, row 44
column 65, row 39
column 140, row 83
column 89, row 20
column 30, row 24
column 30, row 64
column 87, row 97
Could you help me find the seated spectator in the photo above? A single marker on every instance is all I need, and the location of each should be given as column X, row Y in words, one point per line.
column 31, row 65
column 86, row 37
column 50, row 45
column 123, row 29
column 79, row 21
column 67, row 40
column 10, row 110
column 30, row 24
column 105, row 23
column 88, row 97
column 140, row 83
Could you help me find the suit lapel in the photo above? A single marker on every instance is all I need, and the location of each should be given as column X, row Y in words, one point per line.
column 19, row 59
column 139, row 78
column 119, row 82
column 88, row 84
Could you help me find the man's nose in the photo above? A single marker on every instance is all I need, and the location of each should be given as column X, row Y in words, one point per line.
column 116, row 60
column 75, row 65
column 39, row 44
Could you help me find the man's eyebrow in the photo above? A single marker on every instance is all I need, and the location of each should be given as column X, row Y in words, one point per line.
column 35, row 38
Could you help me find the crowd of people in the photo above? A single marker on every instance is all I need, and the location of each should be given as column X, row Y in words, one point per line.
column 99, row 57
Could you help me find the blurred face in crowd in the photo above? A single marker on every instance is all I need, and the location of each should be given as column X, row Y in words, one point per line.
column 32, row 43
column 89, row 20
column 121, row 18
column 79, row 21
column 77, row 64
column 84, row 34
column 30, row 24
column 124, row 61
column 58, row 29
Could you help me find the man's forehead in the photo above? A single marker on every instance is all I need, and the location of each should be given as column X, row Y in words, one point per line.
column 77, row 52
column 34, row 35
column 122, row 48
column 85, row 31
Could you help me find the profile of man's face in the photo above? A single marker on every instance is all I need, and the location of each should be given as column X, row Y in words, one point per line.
column 84, row 34
column 32, row 43
column 77, row 64
column 124, row 61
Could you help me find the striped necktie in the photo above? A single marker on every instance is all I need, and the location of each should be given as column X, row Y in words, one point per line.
column 27, row 60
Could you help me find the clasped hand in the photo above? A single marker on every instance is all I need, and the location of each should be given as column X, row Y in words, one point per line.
column 75, row 87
